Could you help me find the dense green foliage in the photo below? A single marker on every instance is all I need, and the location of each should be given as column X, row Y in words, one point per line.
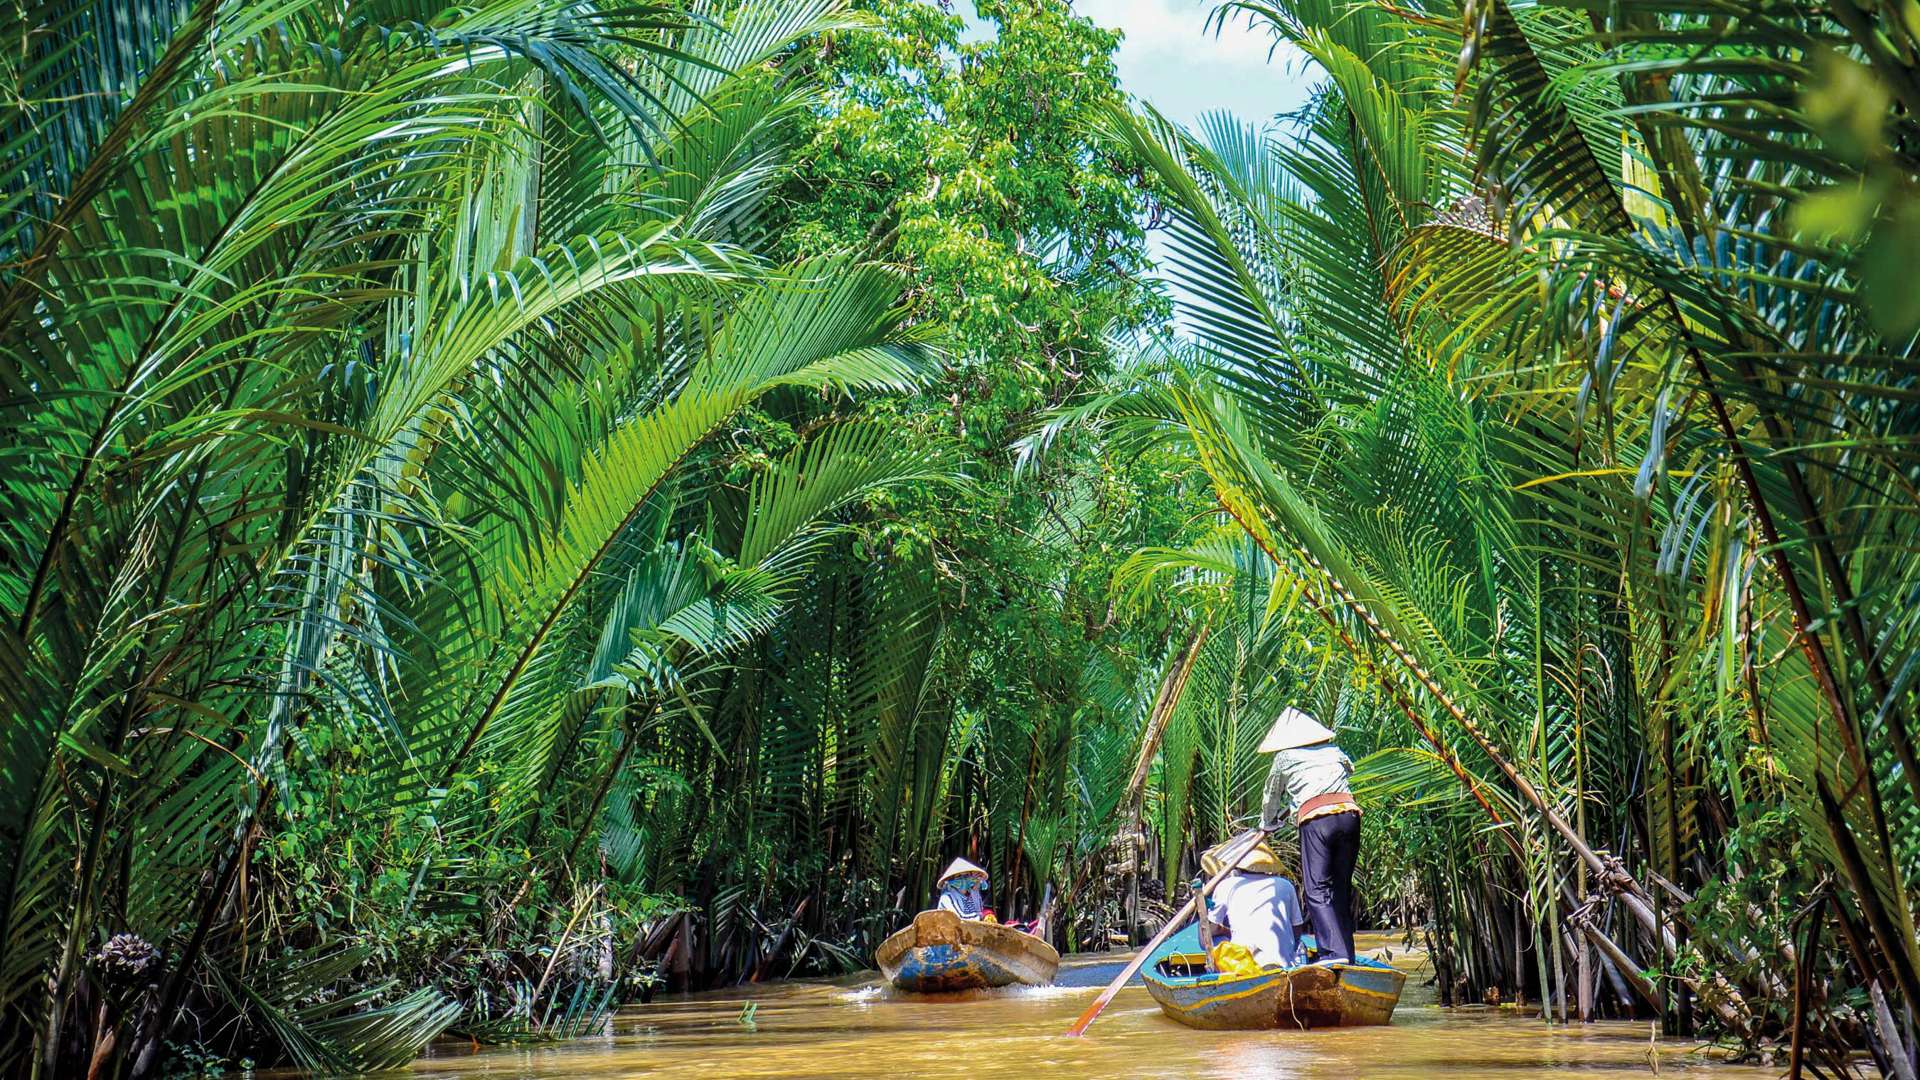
column 497, row 489
column 511, row 503
column 1531, row 359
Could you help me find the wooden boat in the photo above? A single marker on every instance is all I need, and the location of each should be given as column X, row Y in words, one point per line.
column 943, row 952
column 1332, row 995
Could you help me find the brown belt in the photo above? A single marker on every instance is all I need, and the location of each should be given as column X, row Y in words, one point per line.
column 1313, row 807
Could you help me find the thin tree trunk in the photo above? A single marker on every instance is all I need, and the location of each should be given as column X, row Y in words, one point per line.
column 1165, row 700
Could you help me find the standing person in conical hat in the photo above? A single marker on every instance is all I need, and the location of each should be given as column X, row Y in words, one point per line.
column 963, row 890
column 1311, row 784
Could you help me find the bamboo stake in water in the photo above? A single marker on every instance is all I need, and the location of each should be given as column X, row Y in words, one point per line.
column 1252, row 837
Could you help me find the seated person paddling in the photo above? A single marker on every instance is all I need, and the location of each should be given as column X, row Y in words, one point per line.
column 1256, row 905
column 1310, row 784
column 963, row 890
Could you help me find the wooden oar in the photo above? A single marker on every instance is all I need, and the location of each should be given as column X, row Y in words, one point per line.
column 1252, row 837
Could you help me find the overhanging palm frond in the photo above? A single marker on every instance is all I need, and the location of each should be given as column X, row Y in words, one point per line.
column 828, row 325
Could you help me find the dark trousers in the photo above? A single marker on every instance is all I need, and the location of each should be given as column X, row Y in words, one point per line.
column 1328, row 847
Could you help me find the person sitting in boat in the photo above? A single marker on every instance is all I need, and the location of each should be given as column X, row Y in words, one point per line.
column 963, row 890
column 1311, row 784
column 1256, row 905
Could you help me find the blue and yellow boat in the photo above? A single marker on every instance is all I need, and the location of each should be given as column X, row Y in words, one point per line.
column 1331, row 995
column 941, row 952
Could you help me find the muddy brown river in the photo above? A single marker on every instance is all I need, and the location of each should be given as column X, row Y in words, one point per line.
column 853, row 1029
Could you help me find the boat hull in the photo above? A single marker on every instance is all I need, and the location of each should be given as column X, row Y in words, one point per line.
column 943, row 953
column 1334, row 995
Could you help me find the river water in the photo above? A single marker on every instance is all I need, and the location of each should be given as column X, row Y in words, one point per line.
column 852, row 1028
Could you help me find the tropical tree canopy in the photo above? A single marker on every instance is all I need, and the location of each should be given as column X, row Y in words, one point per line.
column 516, row 503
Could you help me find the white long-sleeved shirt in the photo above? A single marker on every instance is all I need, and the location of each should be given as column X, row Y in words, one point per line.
column 1260, row 912
column 1300, row 774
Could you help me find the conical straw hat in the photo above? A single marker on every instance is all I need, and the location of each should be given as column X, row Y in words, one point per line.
column 1294, row 728
column 1259, row 859
column 958, row 867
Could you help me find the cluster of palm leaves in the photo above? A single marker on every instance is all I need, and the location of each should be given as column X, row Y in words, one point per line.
column 378, row 553
column 884, row 726
column 362, row 365
column 1551, row 358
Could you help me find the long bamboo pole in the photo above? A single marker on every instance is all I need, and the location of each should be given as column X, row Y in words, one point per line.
column 1251, row 837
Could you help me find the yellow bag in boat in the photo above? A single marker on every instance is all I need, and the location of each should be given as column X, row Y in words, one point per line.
column 1234, row 959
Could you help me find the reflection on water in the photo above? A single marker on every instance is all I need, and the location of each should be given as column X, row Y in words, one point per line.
column 850, row 1029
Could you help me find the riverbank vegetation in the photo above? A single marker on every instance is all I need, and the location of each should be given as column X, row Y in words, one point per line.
column 515, row 505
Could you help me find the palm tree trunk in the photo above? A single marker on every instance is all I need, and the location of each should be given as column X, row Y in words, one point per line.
column 1164, row 702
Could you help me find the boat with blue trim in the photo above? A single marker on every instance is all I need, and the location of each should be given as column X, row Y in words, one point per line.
column 1347, row 994
column 942, row 952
